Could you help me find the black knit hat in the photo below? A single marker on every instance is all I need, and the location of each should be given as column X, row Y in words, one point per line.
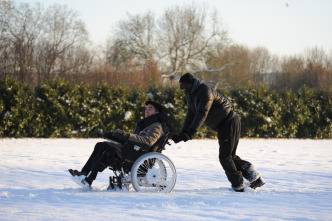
column 156, row 105
column 187, row 78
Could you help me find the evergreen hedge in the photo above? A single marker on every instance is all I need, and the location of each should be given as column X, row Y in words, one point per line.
column 60, row 109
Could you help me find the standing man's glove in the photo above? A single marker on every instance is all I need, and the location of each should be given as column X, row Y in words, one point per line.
column 121, row 135
column 176, row 138
column 180, row 137
column 183, row 136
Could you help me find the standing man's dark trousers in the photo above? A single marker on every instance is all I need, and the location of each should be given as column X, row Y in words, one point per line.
column 97, row 160
column 235, row 168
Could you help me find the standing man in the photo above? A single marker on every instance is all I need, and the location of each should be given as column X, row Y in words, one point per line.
column 207, row 106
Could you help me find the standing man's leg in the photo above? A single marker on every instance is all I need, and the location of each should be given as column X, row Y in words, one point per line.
column 228, row 137
column 249, row 172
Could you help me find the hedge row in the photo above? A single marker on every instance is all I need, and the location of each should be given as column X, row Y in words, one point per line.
column 60, row 109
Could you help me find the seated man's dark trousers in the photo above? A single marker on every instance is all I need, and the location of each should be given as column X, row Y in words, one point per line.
column 97, row 161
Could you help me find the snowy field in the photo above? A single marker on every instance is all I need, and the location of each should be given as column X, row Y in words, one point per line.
column 35, row 183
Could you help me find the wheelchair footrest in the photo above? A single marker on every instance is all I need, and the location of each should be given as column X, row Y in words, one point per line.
column 115, row 182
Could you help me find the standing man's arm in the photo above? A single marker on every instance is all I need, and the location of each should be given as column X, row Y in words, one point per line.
column 188, row 120
column 193, row 120
column 205, row 102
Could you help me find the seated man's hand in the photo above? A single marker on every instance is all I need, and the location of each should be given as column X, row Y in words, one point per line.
column 121, row 135
column 108, row 135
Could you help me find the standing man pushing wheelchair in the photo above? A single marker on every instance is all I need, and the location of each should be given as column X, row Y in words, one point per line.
column 146, row 133
column 207, row 106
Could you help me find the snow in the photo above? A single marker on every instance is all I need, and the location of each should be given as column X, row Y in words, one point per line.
column 127, row 116
column 7, row 114
column 268, row 119
column 169, row 105
column 35, row 183
column 150, row 95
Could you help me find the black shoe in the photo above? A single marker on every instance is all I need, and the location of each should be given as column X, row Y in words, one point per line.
column 76, row 173
column 71, row 172
column 239, row 188
column 257, row 183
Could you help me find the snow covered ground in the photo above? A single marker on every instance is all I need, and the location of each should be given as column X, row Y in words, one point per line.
column 35, row 183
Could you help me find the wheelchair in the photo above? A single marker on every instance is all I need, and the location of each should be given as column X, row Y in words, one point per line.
column 149, row 171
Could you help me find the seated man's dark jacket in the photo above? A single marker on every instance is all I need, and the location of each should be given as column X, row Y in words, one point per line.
column 146, row 133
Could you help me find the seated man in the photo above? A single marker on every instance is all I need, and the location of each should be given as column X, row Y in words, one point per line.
column 146, row 133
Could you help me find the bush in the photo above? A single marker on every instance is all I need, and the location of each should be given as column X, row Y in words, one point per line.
column 17, row 109
column 60, row 109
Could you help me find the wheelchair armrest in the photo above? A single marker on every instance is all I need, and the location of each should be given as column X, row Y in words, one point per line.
column 118, row 146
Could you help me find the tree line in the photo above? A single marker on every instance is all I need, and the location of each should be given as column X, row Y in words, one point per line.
column 38, row 44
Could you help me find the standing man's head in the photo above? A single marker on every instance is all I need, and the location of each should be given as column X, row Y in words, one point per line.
column 186, row 83
column 152, row 108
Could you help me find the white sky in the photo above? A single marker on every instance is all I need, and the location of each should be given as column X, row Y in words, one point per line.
column 284, row 27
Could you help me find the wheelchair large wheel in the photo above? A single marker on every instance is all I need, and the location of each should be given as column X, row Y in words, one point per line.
column 153, row 172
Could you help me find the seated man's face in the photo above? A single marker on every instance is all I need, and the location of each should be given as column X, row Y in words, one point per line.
column 150, row 110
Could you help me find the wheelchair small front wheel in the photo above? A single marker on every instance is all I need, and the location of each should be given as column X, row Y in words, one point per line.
column 153, row 172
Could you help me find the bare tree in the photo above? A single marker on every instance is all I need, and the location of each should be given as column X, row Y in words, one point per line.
column 185, row 36
column 132, row 51
column 34, row 41
column 263, row 66
column 63, row 31
column 317, row 72
column 133, row 39
column 290, row 75
column 311, row 69
column 213, row 80
column 177, row 42
column 315, row 56
column 261, row 63
column 234, row 75
column 5, row 45
column 21, row 26
column 75, row 63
